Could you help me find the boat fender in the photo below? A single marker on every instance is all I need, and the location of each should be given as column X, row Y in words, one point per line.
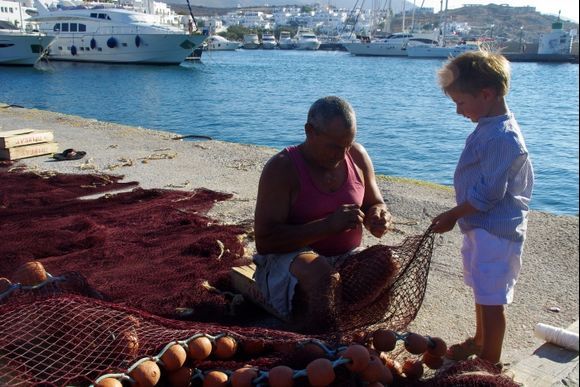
column 73, row 50
column 137, row 41
column 93, row 44
column 112, row 42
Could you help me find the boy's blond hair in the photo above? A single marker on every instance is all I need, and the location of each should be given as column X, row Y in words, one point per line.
column 474, row 71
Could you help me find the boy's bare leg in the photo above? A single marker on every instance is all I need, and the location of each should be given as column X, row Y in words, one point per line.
column 317, row 282
column 493, row 325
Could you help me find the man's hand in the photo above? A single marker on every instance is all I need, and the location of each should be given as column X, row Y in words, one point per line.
column 346, row 217
column 378, row 221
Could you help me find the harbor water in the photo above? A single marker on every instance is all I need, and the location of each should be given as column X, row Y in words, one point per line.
column 408, row 126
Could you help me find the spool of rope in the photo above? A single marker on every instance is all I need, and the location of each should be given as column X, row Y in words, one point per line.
column 558, row 336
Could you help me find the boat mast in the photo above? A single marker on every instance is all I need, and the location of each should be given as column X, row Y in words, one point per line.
column 443, row 42
column 413, row 18
column 403, row 26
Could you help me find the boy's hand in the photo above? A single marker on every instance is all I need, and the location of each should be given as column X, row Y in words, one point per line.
column 444, row 222
column 378, row 220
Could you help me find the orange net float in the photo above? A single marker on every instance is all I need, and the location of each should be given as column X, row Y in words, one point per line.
column 30, row 274
column 320, row 372
column 413, row 368
column 281, row 376
column 109, row 382
column 415, row 343
column 215, row 378
column 200, row 347
column 145, row 373
column 431, row 361
column 384, row 340
column 376, row 371
column 173, row 357
column 225, row 347
column 243, row 377
column 359, row 357
column 437, row 346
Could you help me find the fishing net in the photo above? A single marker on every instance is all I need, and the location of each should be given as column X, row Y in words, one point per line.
column 133, row 273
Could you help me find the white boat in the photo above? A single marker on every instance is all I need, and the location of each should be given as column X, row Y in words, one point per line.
column 285, row 42
column 305, row 39
column 111, row 35
column 251, row 41
column 427, row 51
column 20, row 48
column 219, row 43
column 268, row 41
column 393, row 45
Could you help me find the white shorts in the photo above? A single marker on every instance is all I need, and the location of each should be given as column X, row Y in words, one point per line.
column 276, row 282
column 491, row 266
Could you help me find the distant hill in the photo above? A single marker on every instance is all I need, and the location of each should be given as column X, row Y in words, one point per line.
column 396, row 5
column 501, row 22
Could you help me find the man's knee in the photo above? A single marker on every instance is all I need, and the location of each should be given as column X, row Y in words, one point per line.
column 312, row 270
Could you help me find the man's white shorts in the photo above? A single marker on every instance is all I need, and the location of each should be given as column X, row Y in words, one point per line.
column 491, row 266
column 276, row 282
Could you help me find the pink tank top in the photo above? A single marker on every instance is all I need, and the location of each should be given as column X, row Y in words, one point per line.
column 312, row 203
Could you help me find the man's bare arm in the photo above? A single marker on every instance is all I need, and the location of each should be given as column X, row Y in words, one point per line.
column 377, row 217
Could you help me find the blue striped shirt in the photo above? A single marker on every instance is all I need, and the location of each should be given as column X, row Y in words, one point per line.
column 494, row 174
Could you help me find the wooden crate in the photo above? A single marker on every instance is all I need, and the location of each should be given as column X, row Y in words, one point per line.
column 243, row 281
column 32, row 150
column 20, row 137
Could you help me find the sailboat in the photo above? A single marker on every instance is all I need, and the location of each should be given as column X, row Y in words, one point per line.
column 441, row 50
column 394, row 44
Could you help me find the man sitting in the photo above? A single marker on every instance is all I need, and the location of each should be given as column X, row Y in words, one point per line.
column 313, row 200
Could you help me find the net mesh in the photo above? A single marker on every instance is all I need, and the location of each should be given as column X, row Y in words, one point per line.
column 134, row 271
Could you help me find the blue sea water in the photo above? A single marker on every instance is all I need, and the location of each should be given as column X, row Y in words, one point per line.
column 408, row 126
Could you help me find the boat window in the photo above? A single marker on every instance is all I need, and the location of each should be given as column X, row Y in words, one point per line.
column 73, row 27
column 64, row 27
column 56, row 27
column 102, row 16
column 82, row 27
column 5, row 45
column 94, row 15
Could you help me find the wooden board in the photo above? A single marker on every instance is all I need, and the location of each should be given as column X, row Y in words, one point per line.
column 33, row 150
column 243, row 281
column 549, row 365
column 20, row 137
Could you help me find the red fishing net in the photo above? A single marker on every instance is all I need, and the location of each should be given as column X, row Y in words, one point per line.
column 134, row 273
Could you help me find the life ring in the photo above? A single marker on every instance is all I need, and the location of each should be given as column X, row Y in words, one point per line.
column 93, row 44
column 137, row 41
column 73, row 50
column 112, row 42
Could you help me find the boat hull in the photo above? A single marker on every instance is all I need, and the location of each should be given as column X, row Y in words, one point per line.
column 375, row 49
column 162, row 49
column 22, row 49
column 438, row 52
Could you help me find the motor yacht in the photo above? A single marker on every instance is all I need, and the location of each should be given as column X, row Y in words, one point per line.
column 112, row 35
column 285, row 41
column 251, row 41
column 21, row 48
column 305, row 39
column 268, row 41
column 219, row 43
